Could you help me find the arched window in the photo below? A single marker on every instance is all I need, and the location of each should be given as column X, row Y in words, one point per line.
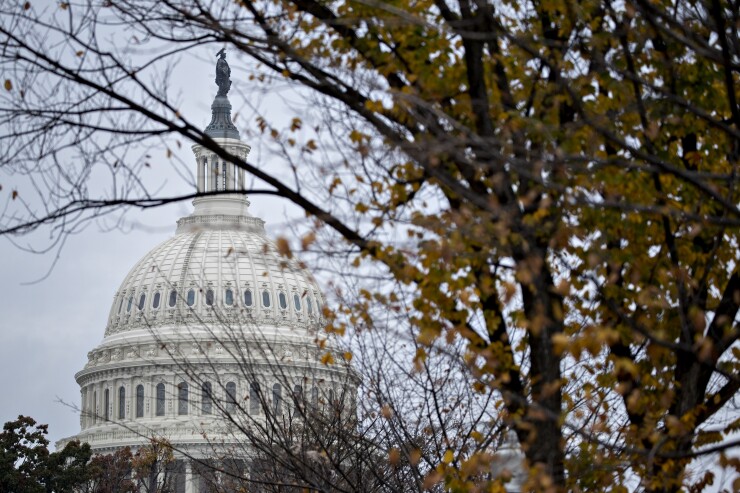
column 95, row 406
column 120, row 305
column 298, row 395
column 106, row 403
column 247, row 298
column 331, row 399
column 173, row 297
column 314, row 397
column 318, row 306
column 140, row 401
column 155, row 303
column 254, row 398
column 230, row 397
column 309, row 306
column 229, row 297
column 191, row 297
column 160, row 400
column 282, row 300
column 266, row 298
column 130, row 303
column 297, row 302
column 182, row 398
column 142, row 299
column 206, row 397
column 121, row 402
column 209, row 297
column 277, row 398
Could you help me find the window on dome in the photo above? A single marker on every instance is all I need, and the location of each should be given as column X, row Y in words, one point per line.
column 282, row 300
column 106, row 404
column 173, row 297
column 318, row 307
column 139, row 401
column 121, row 402
column 254, row 398
column 230, row 397
column 209, row 297
column 160, row 400
column 247, row 298
column 315, row 397
column 130, row 303
column 155, row 303
column 277, row 398
column 142, row 299
column 120, row 305
column 95, row 406
column 309, row 306
column 297, row 302
column 206, row 397
column 229, row 297
column 182, row 398
column 331, row 398
column 266, row 298
column 191, row 297
column 298, row 395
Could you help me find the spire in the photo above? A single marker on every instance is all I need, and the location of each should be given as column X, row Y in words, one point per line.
column 221, row 124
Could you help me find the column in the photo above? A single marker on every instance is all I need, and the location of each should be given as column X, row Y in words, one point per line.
column 230, row 176
column 190, row 486
column 201, row 164
column 213, row 162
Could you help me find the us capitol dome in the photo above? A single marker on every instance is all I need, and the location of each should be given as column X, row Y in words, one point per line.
column 212, row 321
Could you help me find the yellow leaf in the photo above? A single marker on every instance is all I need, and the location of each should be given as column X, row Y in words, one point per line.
column 348, row 356
column 8, row 85
column 284, row 247
column 448, row 457
column 394, row 456
column 327, row 359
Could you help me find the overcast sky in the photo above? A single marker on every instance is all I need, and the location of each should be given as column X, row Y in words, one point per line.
column 48, row 326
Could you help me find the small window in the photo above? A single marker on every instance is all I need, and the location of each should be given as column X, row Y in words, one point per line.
column 106, row 403
column 331, row 398
column 209, row 297
column 297, row 302
column 315, row 397
column 160, row 399
column 298, row 394
column 318, row 307
column 206, row 396
column 191, row 297
column 254, row 398
column 282, row 300
column 182, row 398
column 139, row 401
column 95, row 406
column 266, row 298
column 173, row 297
column 120, row 305
column 130, row 303
column 309, row 306
column 229, row 297
column 142, row 299
column 247, row 298
column 155, row 302
column 277, row 398
column 121, row 402
column 230, row 397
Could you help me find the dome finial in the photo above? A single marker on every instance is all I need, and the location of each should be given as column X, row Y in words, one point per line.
column 223, row 73
column 221, row 124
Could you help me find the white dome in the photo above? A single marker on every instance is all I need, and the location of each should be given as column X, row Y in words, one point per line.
column 216, row 266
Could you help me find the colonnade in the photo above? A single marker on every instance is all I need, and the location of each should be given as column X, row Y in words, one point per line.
column 215, row 174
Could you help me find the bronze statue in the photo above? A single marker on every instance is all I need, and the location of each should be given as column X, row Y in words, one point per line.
column 223, row 74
